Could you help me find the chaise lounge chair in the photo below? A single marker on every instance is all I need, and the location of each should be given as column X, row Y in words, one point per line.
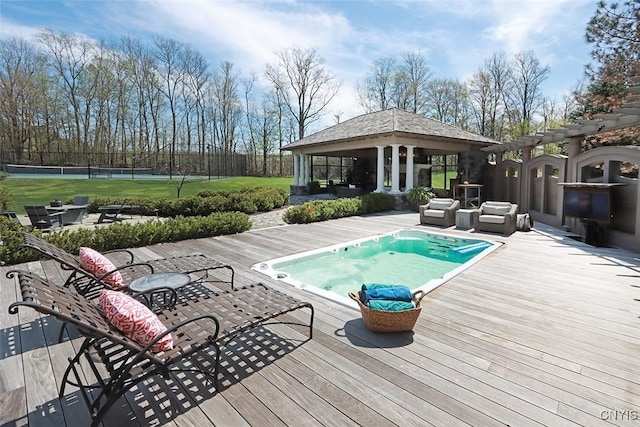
column 88, row 284
column 198, row 328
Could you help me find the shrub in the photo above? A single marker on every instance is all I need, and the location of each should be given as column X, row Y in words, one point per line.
column 10, row 241
column 420, row 195
column 122, row 235
column 6, row 198
column 246, row 200
column 322, row 210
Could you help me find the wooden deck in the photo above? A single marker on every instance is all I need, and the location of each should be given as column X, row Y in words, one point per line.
column 542, row 332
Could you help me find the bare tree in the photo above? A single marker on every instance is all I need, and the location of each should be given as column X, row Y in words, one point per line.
column 22, row 96
column 487, row 88
column 375, row 92
column 227, row 106
column 305, row 85
column 525, row 97
column 146, row 97
column 447, row 101
column 416, row 75
column 227, row 102
column 392, row 84
column 169, row 56
column 250, row 140
column 480, row 97
column 196, row 77
column 69, row 56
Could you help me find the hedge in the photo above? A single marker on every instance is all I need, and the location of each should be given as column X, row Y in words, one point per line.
column 121, row 235
column 322, row 210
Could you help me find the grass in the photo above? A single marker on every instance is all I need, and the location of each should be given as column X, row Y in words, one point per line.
column 40, row 191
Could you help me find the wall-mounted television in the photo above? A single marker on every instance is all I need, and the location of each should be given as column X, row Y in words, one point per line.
column 592, row 204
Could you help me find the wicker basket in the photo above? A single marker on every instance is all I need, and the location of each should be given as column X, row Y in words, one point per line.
column 389, row 321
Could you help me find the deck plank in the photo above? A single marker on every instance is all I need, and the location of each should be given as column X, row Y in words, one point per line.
column 541, row 332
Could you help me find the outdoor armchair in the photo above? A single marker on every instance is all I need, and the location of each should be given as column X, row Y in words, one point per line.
column 497, row 217
column 41, row 219
column 439, row 211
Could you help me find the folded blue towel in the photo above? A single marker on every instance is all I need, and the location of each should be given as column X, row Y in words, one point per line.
column 385, row 292
column 390, row 305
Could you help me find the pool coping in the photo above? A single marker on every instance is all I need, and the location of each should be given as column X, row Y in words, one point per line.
column 265, row 267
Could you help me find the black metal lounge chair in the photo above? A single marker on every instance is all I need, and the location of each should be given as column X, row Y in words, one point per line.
column 41, row 219
column 87, row 284
column 198, row 328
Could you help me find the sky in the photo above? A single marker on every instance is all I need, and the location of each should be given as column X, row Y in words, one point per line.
column 454, row 36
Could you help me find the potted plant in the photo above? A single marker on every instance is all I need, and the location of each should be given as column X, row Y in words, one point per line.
column 418, row 196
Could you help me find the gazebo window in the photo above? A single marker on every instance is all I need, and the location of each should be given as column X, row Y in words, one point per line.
column 326, row 168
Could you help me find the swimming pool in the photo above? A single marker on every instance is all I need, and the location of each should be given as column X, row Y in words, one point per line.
column 418, row 259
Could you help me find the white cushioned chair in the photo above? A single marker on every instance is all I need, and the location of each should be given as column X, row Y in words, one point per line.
column 497, row 217
column 439, row 211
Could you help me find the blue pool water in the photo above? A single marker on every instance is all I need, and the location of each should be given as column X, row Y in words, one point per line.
column 414, row 258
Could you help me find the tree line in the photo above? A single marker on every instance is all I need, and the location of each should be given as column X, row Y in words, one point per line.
column 128, row 103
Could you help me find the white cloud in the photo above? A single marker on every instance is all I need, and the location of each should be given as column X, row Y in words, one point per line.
column 455, row 36
column 11, row 29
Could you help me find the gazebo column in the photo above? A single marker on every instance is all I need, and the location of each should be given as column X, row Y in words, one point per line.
column 395, row 168
column 301, row 171
column 296, row 169
column 526, row 154
column 380, row 170
column 409, row 169
column 307, row 169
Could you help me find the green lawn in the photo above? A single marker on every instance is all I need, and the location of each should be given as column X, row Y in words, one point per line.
column 40, row 191
column 437, row 178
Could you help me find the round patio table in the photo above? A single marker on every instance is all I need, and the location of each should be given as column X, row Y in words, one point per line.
column 160, row 284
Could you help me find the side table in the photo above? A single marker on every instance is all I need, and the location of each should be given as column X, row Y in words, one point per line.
column 160, row 284
column 466, row 218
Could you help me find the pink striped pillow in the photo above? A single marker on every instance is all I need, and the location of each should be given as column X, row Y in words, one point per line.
column 100, row 265
column 134, row 320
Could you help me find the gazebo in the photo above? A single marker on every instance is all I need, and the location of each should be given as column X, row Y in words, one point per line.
column 398, row 140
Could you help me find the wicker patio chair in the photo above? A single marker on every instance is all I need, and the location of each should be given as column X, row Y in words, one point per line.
column 197, row 327
column 89, row 285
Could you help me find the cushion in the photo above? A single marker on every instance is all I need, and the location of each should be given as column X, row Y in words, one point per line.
column 433, row 213
column 490, row 209
column 134, row 319
column 492, row 219
column 100, row 265
column 440, row 204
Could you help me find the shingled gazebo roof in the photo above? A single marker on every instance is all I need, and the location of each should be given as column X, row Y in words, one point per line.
column 392, row 122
